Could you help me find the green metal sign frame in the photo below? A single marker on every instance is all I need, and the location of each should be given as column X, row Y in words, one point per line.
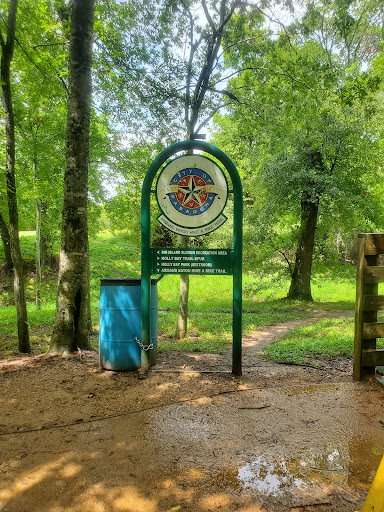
column 237, row 251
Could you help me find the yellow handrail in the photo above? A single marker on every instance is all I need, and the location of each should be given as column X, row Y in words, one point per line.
column 375, row 498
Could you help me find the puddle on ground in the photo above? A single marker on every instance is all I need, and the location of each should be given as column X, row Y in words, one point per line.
column 302, row 440
column 343, row 466
column 253, row 450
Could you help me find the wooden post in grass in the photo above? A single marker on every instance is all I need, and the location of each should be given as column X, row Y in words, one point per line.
column 368, row 302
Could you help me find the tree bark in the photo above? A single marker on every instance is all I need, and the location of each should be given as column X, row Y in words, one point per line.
column 6, row 244
column 38, row 227
column 72, row 317
column 182, row 317
column 7, row 48
column 301, row 277
column 45, row 237
column 38, row 253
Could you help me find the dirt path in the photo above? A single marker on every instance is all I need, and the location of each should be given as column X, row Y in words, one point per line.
column 280, row 438
column 253, row 361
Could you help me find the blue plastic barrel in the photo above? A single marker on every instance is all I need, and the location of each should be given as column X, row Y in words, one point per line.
column 120, row 322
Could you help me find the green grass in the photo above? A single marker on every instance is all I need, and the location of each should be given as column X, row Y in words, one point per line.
column 211, row 331
column 116, row 255
column 40, row 323
column 326, row 338
column 210, row 304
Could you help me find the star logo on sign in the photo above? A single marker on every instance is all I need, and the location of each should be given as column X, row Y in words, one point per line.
column 192, row 192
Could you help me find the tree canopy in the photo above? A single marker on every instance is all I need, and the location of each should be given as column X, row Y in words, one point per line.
column 295, row 90
column 309, row 117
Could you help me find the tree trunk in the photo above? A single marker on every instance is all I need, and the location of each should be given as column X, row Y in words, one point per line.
column 45, row 237
column 38, row 229
column 72, row 317
column 38, row 253
column 182, row 313
column 18, row 283
column 194, row 98
column 6, row 244
column 182, row 317
column 301, row 277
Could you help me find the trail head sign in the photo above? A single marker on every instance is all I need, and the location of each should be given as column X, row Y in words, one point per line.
column 192, row 261
column 192, row 192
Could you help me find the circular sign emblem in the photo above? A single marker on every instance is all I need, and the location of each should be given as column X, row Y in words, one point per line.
column 192, row 192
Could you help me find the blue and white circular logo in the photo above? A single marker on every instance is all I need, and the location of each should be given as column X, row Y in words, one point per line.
column 192, row 192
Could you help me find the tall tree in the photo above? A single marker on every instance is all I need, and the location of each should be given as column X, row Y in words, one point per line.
column 7, row 48
column 204, row 43
column 72, row 317
column 40, row 121
column 349, row 33
column 309, row 110
column 174, row 82
column 5, row 238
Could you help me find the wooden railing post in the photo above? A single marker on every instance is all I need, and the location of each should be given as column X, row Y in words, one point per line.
column 359, row 308
column 368, row 302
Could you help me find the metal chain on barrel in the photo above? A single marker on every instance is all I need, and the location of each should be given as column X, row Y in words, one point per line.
column 141, row 345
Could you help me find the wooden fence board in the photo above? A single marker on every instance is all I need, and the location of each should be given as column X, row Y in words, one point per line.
column 373, row 302
column 372, row 358
column 361, row 263
column 374, row 243
column 373, row 330
column 374, row 274
column 368, row 302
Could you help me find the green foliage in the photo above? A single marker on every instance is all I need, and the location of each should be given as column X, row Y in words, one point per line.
column 132, row 165
column 40, row 104
column 351, row 29
column 136, row 70
column 40, row 113
column 210, row 308
column 158, row 65
column 307, row 126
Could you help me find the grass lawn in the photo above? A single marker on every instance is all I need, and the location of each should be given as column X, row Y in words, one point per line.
column 325, row 338
column 210, row 305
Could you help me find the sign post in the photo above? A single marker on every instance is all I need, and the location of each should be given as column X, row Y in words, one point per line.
column 191, row 192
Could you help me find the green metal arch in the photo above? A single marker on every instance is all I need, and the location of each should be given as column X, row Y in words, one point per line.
column 237, row 242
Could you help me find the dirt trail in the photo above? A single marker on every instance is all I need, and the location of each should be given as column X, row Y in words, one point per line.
column 262, row 337
column 253, row 361
column 280, row 438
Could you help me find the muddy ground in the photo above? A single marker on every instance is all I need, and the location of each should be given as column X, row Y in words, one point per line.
column 74, row 437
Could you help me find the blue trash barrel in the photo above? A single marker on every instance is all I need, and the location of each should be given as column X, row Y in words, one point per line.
column 120, row 321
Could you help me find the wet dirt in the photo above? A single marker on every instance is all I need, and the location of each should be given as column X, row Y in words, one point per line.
column 74, row 437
